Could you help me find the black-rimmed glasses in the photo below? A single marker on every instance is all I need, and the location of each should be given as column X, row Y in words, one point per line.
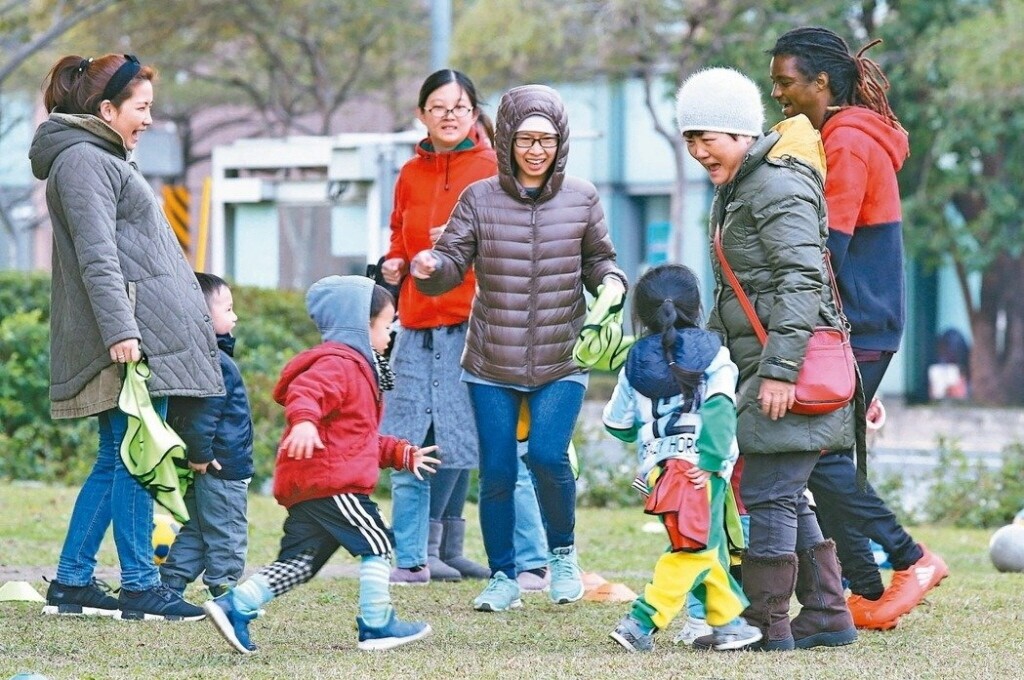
column 460, row 111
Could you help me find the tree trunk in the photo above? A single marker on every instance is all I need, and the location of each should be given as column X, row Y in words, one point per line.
column 997, row 326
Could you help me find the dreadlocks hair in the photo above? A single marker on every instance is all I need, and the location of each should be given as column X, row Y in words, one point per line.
column 854, row 80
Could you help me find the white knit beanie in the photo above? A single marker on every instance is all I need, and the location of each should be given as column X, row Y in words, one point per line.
column 537, row 123
column 720, row 100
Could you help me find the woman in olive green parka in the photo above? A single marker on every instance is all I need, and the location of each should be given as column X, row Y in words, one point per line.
column 769, row 208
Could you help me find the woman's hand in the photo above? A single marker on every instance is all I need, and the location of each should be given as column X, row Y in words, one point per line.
column 392, row 270
column 125, row 351
column 302, row 440
column 423, row 264
column 613, row 283
column 776, row 397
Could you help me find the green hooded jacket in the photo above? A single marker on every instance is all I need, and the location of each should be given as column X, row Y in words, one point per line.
column 774, row 226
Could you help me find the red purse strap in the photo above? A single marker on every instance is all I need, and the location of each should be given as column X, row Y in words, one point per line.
column 734, row 283
column 741, row 296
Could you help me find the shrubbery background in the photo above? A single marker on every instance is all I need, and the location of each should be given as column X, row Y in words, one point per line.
column 273, row 326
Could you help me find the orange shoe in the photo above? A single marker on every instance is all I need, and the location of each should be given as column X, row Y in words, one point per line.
column 906, row 590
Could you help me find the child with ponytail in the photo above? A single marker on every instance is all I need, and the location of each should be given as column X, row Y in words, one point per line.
column 676, row 397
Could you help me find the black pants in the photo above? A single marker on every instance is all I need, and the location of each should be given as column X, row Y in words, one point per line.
column 850, row 515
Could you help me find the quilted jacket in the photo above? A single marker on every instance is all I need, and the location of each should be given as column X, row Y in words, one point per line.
column 532, row 256
column 118, row 272
column 428, row 186
column 774, row 226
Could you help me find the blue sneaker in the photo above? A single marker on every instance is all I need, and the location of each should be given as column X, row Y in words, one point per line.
column 500, row 595
column 566, row 577
column 631, row 634
column 737, row 634
column 231, row 622
column 392, row 634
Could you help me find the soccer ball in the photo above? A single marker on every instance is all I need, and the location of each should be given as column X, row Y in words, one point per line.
column 1006, row 548
column 165, row 529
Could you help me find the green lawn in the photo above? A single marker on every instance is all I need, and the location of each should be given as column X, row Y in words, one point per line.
column 971, row 627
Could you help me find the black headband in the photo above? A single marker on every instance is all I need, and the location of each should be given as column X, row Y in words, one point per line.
column 122, row 76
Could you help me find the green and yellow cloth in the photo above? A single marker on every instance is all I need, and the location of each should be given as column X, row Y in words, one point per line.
column 153, row 453
column 602, row 344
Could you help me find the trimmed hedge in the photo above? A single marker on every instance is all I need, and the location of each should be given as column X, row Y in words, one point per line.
column 273, row 326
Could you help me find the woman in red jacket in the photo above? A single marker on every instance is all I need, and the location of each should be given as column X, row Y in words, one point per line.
column 430, row 404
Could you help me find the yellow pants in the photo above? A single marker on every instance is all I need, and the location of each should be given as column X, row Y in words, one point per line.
column 677, row 573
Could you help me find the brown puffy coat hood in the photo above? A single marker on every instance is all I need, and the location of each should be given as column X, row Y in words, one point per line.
column 517, row 105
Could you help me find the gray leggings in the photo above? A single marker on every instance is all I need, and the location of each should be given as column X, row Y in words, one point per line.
column 772, row 488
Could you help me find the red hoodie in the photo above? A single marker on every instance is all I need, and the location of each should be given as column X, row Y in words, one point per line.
column 334, row 386
column 864, row 152
column 428, row 187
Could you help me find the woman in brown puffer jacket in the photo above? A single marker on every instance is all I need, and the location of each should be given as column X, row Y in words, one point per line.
column 535, row 238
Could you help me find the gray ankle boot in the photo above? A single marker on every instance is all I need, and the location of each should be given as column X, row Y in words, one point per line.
column 439, row 571
column 451, row 550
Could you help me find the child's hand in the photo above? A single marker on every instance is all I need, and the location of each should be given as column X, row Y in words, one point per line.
column 423, row 264
column 302, row 440
column 421, row 461
column 201, row 467
column 699, row 478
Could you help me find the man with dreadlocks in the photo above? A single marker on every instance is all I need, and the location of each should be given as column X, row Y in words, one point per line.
column 844, row 96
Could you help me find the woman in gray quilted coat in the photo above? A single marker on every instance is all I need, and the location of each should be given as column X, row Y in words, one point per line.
column 769, row 208
column 536, row 238
column 121, row 289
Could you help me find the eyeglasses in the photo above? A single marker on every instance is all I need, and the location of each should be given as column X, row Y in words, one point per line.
column 460, row 111
column 528, row 142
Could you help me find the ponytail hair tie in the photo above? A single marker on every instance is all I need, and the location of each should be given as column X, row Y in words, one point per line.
column 83, row 66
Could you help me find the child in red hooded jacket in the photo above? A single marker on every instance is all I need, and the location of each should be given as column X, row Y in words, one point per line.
column 328, row 464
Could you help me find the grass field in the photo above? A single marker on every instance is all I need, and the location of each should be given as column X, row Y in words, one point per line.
column 971, row 627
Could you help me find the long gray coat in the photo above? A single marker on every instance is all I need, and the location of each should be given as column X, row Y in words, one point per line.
column 118, row 271
column 429, row 390
column 774, row 226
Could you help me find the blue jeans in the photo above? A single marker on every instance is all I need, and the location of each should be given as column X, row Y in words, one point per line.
column 553, row 412
column 215, row 540
column 412, row 498
column 110, row 494
column 851, row 515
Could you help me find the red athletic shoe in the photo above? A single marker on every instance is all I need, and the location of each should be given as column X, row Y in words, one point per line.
column 907, row 589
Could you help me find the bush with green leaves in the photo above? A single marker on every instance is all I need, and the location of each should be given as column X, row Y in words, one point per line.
column 971, row 494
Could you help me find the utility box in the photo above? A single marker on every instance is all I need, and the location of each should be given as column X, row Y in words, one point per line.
column 286, row 212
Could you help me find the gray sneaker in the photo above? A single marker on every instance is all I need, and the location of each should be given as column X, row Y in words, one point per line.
column 500, row 595
column 631, row 635
column 736, row 634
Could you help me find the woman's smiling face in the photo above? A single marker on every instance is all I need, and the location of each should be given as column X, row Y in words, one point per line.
column 133, row 116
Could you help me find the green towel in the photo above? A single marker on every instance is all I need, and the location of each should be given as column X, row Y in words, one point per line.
column 601, row 344
column 150, row 448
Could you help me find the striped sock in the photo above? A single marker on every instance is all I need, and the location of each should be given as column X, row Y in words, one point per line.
column 374, row 598
column 251, row 595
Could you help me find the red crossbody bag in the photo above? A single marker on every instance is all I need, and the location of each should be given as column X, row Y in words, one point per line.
column 827, row 379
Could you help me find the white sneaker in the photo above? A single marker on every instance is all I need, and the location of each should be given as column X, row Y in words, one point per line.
column 693, row 629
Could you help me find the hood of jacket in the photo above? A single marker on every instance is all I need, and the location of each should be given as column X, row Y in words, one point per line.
column 517, row 105
column 650, row 375
column 63, row 130
column 340, row 308
column 893, row 139
column 798, row 139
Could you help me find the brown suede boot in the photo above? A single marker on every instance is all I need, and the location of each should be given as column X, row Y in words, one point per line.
column 824, row 620
column 769, row 583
